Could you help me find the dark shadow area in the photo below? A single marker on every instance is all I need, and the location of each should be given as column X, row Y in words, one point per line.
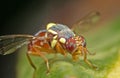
column 12, row 22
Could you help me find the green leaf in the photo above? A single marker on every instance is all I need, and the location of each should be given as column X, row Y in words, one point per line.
column 105, row 42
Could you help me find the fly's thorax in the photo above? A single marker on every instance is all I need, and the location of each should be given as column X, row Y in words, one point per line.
column 59, row 33
column 60, row 30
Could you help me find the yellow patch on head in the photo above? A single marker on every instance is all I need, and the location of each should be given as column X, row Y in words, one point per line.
column 62, row 40
column 50, row 25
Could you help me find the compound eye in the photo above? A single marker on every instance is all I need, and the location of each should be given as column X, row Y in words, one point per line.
column 70, row 44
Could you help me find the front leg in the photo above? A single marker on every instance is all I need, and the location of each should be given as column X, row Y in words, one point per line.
column 87, row 61
column 60, row 49
column 82, row 51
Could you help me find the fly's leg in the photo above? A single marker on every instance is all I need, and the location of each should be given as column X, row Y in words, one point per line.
column 76, row 53
column 86, row 60
column 60, row 49
column 31, row 63
column 82, row 51
column 90, row 53
column 38, row 52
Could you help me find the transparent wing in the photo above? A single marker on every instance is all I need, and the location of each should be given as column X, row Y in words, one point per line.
column 86, row 23
column 10, row 43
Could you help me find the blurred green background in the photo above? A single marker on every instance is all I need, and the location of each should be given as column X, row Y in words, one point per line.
column 28, row 17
